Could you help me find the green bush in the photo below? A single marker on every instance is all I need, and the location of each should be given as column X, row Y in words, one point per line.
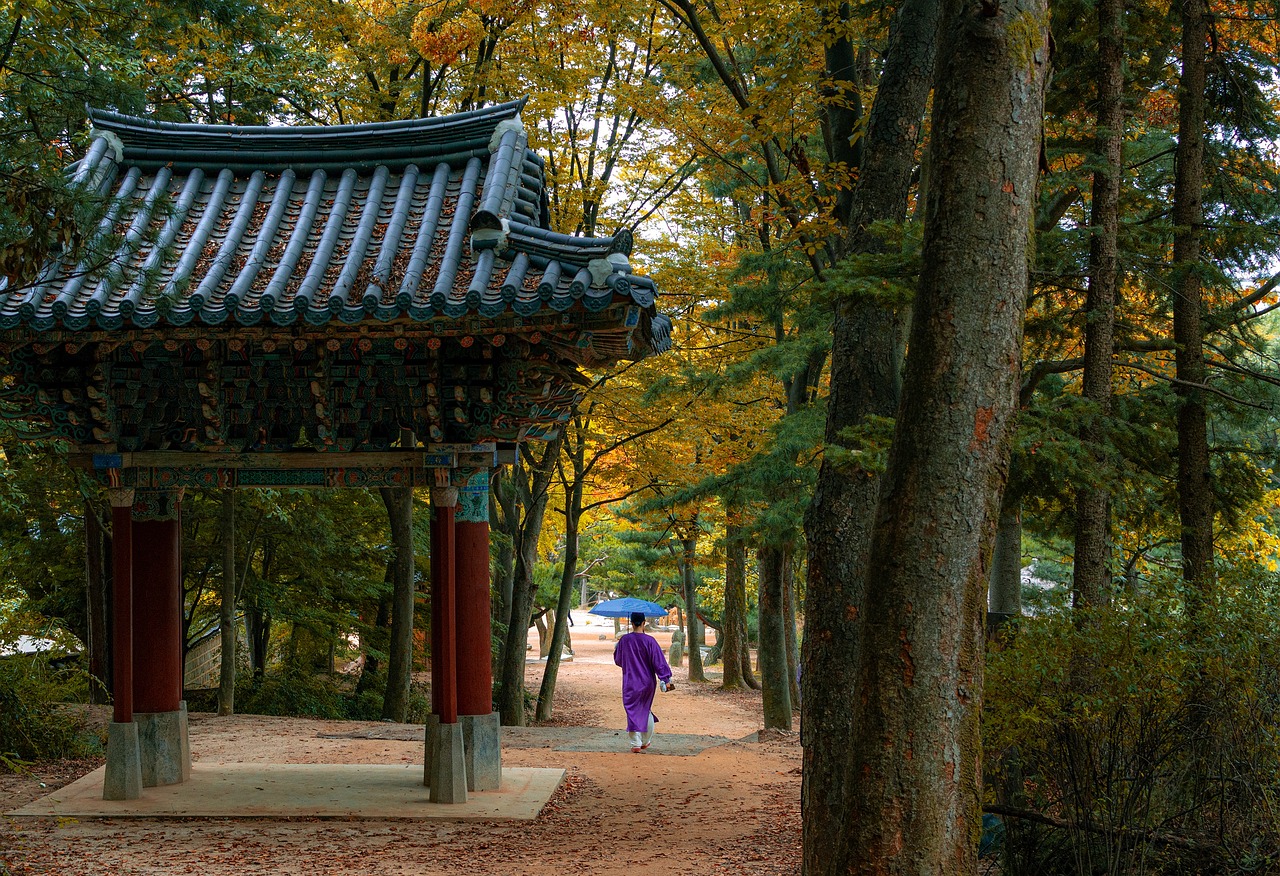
column 39, row 720
column 419, row 703
column 294, row 694
column 302, row 695
column 1148, row 742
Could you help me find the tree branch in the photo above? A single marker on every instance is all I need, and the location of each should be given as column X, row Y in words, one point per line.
column 9, row 43
column 1147, row 836
column 1201, row 386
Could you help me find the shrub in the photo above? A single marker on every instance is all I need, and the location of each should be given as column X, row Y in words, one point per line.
column 38, row 721
column 302, row 695
column 1139, row 740
column 294, row 694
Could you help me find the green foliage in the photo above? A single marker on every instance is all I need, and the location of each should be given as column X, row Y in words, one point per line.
column 310, row 695
column 888, row 277
column 864, row 447
column 40, row 718
column 1138, row 723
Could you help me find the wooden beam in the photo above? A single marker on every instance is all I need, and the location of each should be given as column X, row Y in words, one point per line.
column 274, row 460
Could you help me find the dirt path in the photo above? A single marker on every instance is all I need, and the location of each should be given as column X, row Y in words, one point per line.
column 732, row 809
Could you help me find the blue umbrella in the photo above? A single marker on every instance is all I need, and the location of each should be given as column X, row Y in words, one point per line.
column 626, row 605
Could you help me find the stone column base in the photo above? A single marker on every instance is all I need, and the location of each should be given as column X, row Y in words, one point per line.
column 123, row 779
column 166, row 754
column 446, row 767
column 482, row 744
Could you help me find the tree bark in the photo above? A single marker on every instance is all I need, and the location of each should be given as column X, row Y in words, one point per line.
column 502, row 499
column 399, row 504
column 95, row 580
column 733, row 632
column 773, row 639
column 259, row 624
column 1195, row 494
column 916, row 751
column 532, row 486
column 789, row 623
column 865, row 382
column 693, row 634
column 1004, row 597
column 1092, row 561
column 227, row 606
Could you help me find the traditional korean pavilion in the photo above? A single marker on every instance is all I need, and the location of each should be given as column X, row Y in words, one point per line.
column 347, row 306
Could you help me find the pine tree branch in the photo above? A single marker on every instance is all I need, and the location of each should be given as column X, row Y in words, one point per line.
column 1204, row 387
column 1040, row 371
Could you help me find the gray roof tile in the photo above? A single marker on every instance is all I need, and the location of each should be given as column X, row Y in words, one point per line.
column 417, row 220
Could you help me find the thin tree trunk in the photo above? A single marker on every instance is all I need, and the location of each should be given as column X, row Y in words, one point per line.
column 734, row 622
column 560, row 629
column 503, row 499
column 399, row 504
column 865, row 382
column 916, row 751
column 773, row 639
column 544, row 634
column 1092, row 562
column 1004, row 597
column 374, row 640
column 533, row 489
column 789, row 623
column 227, row 606
column 576, row 451
column 95, row 581
column 693, row 635
column 1195, row 492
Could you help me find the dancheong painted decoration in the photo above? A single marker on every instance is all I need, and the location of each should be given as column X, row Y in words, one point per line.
column 269, row 289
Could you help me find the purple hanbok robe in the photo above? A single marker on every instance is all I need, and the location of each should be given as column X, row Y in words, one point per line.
column 642, row 662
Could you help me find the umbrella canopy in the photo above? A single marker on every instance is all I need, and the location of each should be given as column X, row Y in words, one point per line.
column 625, row 606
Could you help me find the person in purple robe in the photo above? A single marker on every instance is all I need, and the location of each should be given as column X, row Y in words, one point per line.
column 644, row 668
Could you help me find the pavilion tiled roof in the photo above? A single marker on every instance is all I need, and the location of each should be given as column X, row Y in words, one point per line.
column 427, row 219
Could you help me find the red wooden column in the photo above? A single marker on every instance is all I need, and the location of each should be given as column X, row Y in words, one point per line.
column 157, row 576
column 475, row 663
column 157, row 638
column 122, row 779
column 445, row 770
column 444, row 678
column 122, row 604
column 481, row 726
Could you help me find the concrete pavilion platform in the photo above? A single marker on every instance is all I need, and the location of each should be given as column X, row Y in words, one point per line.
column 260, row 790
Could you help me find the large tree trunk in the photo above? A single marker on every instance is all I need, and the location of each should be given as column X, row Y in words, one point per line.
column 532, row 487
column 1092, row 563
column 693, row 635
column 399, row 504
column 865, row 375
column 916, row 749
column 227, row 606
column 95, row 582
column 733, row 625
column 1195, row 494
column 773, row 639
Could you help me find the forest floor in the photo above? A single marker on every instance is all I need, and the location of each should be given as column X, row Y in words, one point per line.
column 734, row 808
